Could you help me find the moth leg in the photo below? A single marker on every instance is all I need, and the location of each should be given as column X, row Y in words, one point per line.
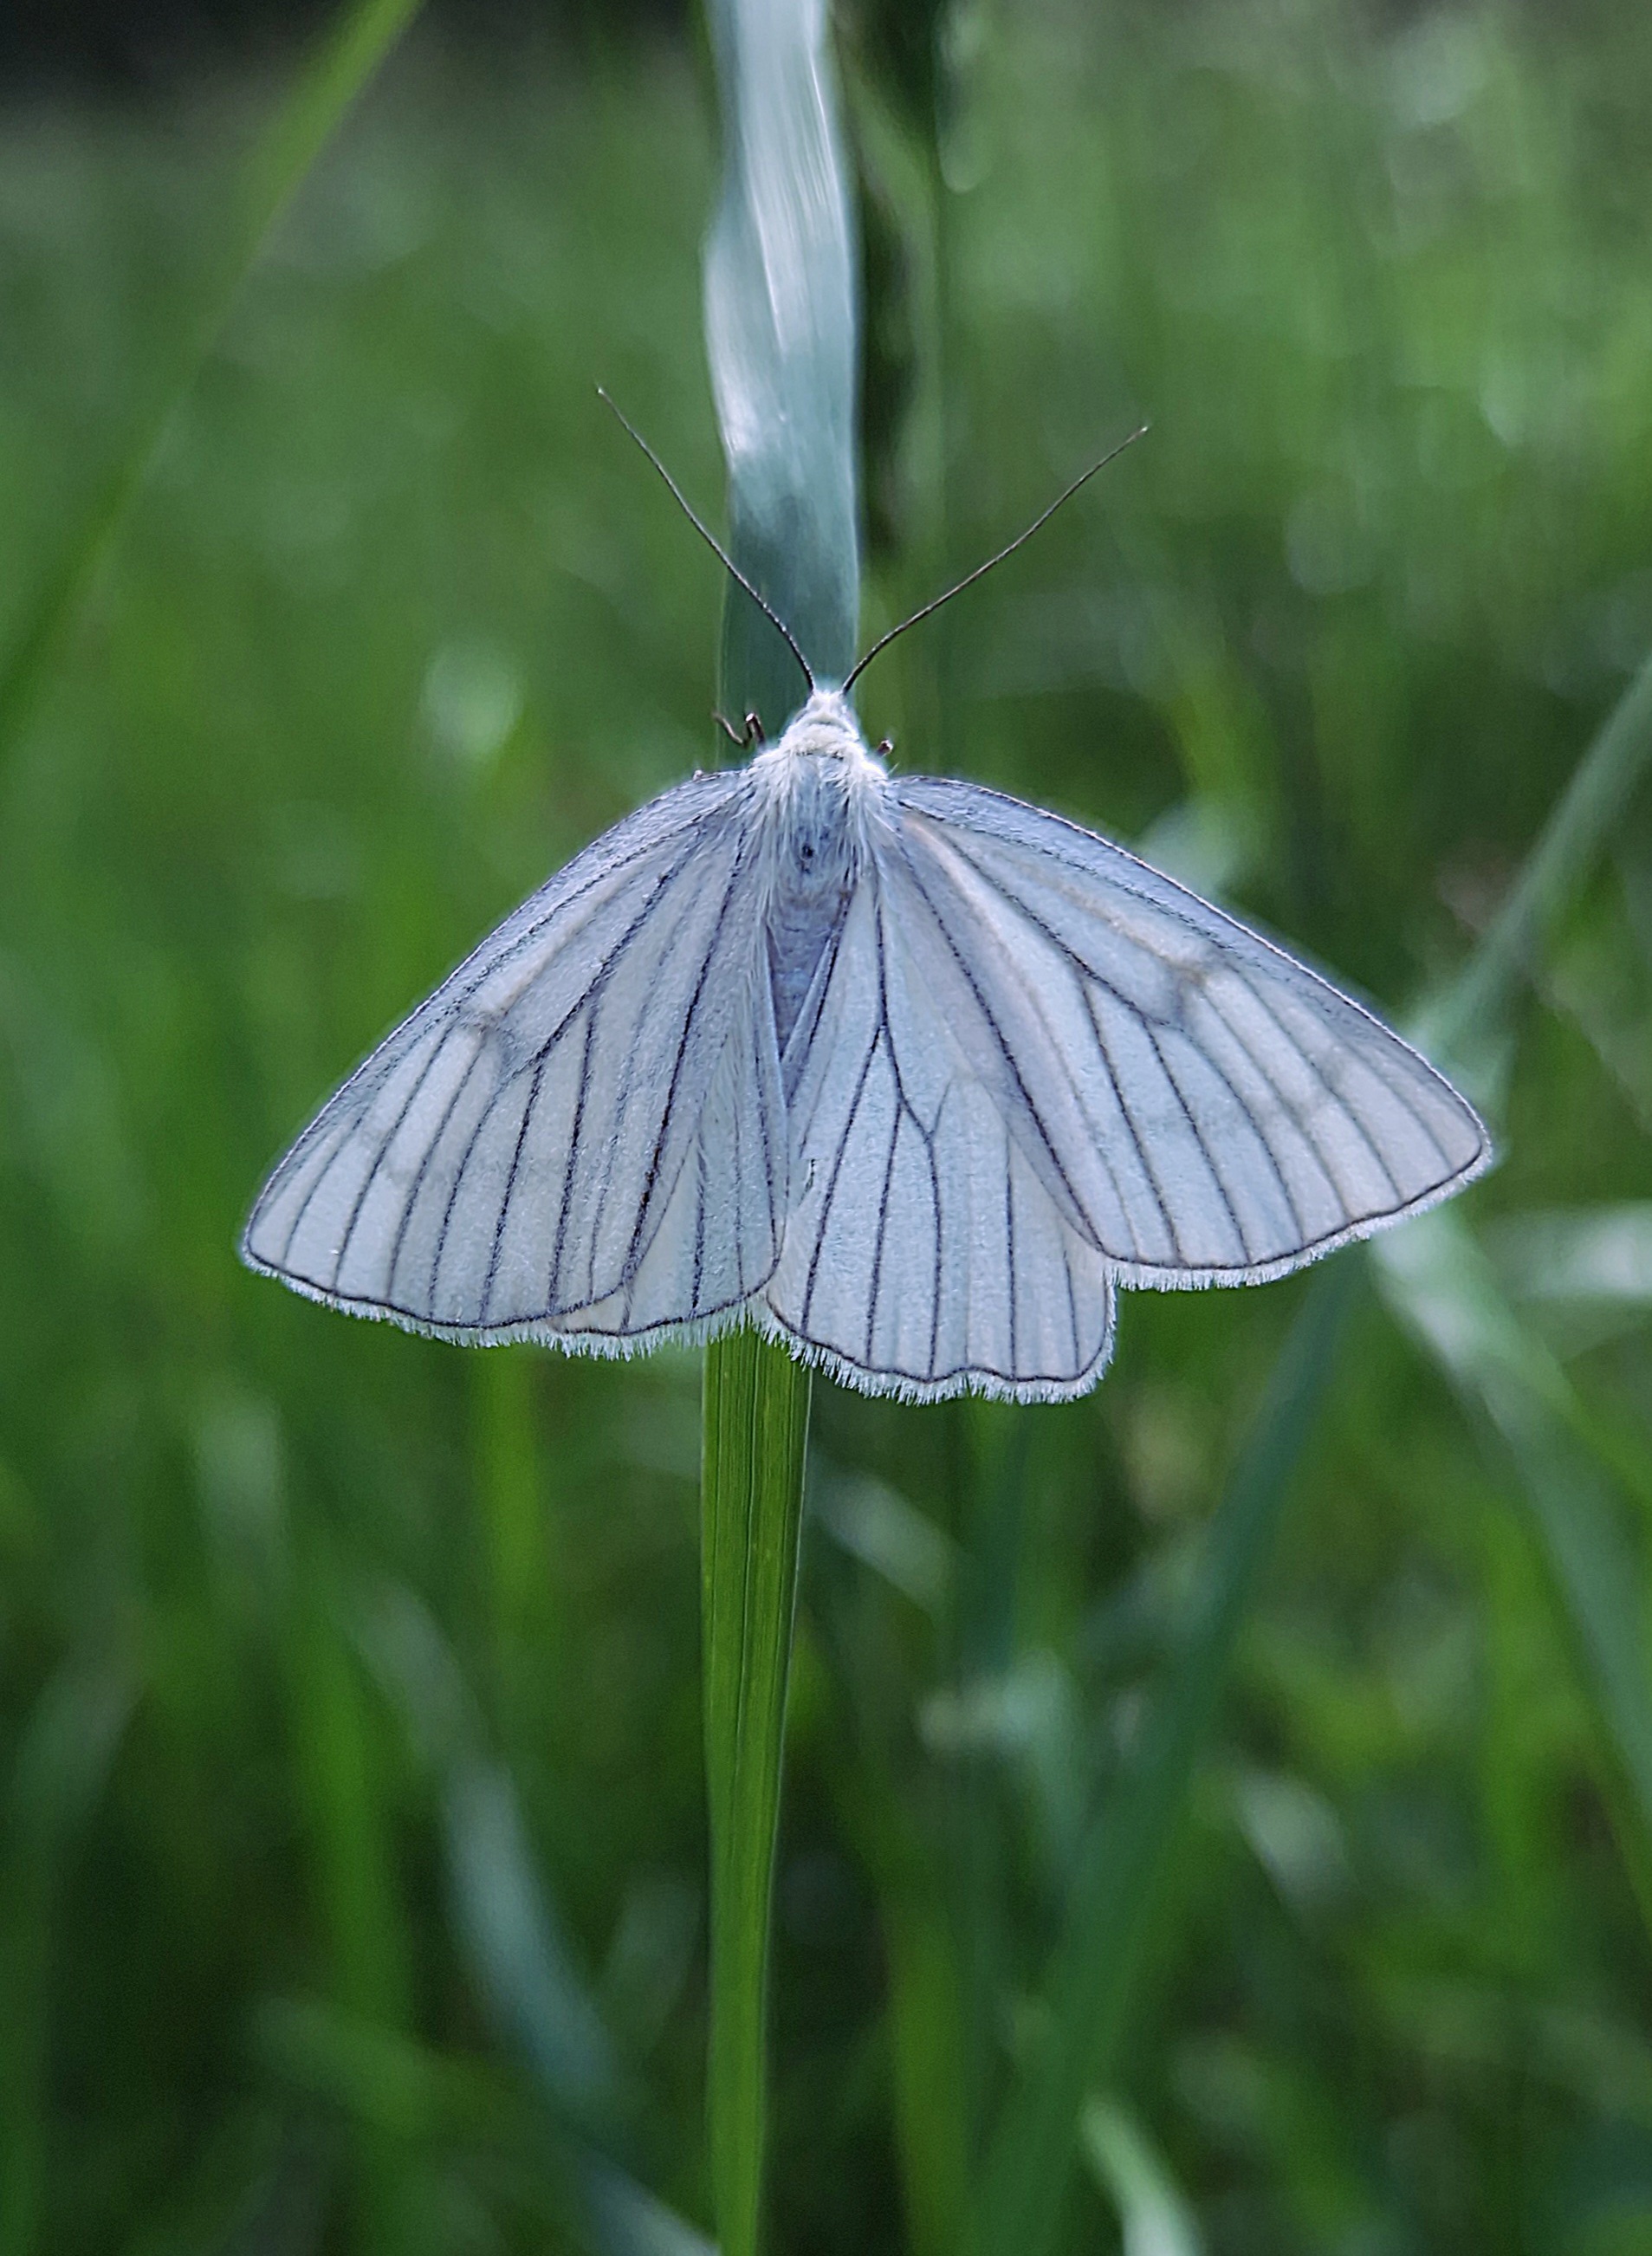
column 746, row 738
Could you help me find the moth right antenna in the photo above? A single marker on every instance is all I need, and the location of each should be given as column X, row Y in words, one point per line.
column 981, row 570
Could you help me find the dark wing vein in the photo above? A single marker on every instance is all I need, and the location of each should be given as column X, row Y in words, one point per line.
column 1004, row 1052
column 528, row 1110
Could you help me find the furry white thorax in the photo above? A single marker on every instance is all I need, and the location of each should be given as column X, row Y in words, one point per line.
column 824, row 730
column 820, row 791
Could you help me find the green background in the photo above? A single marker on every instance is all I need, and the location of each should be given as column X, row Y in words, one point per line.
column 351, row 1807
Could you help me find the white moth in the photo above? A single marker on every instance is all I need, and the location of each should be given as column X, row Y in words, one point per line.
column 910, row 1075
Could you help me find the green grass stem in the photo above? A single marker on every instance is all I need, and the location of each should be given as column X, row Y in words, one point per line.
column 781, row 325
column 756, row 1424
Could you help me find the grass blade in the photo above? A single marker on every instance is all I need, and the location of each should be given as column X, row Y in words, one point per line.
column 1086, row 1989
column 756, row 1425
column 61, row 1764
column 326, row 90
column 341, row 1784
column 1473, row 1007
column 1154, row 2217
column 780, row 314
column 886, row 1550
column 1443, row 1289
column 781, row 337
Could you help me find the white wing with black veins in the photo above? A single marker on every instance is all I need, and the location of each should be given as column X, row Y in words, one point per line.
column 1028, row 1068
column 925, row 1251
column 1198, row 1105
column 579, row 1136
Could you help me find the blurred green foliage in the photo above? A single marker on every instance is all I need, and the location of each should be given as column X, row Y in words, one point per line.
column 351, row 1833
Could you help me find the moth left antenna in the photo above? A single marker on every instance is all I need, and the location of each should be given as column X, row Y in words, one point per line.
column 716, row 545
column 981, row 570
